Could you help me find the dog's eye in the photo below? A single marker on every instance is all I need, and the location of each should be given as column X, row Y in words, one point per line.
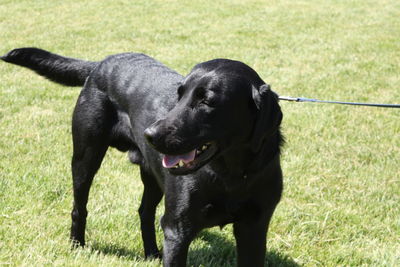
column 200, row 93
column 205, row 102
column 201, row 96
column 204, row 97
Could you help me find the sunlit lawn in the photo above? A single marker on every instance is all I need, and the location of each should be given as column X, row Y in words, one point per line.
column 341, row 164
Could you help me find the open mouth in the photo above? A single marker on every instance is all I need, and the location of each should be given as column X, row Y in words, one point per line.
column 191, row 161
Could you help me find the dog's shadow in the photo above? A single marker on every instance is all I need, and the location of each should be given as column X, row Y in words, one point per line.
column 221, row 252
column 116, row 250
column 217, row 252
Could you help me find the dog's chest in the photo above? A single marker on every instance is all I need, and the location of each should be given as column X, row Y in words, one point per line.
column 223, row 211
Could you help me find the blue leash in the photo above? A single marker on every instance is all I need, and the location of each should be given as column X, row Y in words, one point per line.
column 302, row 99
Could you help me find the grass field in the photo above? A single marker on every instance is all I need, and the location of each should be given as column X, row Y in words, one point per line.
column 341, row 204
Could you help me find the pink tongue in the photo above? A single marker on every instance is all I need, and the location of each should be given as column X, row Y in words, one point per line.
column 170, row 161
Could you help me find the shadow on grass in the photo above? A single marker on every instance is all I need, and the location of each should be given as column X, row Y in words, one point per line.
column 217, row 252
column 116, row 250
column 221, row 252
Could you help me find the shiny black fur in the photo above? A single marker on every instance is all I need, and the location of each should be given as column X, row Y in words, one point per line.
column 128, row 98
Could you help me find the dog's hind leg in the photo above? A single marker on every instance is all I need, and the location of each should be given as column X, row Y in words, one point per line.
column 90, row 129
column 152, row 195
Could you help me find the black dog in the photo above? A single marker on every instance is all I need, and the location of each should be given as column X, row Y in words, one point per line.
column 214, row 140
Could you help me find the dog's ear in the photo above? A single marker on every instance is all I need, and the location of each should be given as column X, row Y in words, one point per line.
column 269, row 115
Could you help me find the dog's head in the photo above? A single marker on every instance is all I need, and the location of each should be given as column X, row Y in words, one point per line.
column 222, row 104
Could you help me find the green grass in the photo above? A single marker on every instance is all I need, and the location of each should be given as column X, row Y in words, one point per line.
column 341, row 204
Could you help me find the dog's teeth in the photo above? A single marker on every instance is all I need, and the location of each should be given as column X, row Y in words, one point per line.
column 181, row 163
column 204, row 147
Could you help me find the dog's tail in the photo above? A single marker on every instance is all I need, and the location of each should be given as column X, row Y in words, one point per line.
column 63, row 70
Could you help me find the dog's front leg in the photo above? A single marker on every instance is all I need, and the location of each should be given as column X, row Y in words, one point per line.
column 178, row 235
column 250, row 238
